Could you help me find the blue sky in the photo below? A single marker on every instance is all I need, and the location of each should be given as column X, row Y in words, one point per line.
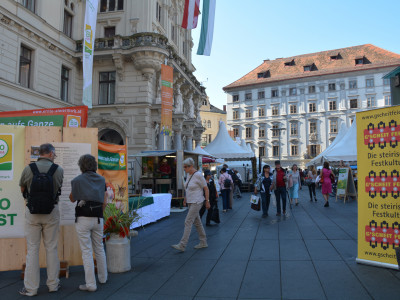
column 247, row 32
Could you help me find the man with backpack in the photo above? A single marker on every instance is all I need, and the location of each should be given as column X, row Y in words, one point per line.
column 41, row 186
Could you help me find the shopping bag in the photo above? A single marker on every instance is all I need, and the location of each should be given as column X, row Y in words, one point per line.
column 254, row 199
column 215, row 214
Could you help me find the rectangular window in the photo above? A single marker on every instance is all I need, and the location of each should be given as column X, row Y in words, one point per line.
column 235, row 98
column 261, row 95
column 29, row 4
column 64, row 84
column 25, row 67
column 235, row 115
column 294, row 150
column 247, row 96
column 261, row 133
column 274, row 93
column 158, row 12
column 388, row 101
column 67, row 28
column 275, row 110
column 353, row 103
column 235, row 132
column 111, row 5
column 107, row 88
column 293, row 91
column 261, row 151
column 275, row 150
column 370, row 101
column 261, row 112
column 369, row 82
column 333, row 126
column 109, row 32
column 248, row 113
column 248, row 132
column 293, row 109
column 311, row 89
column 386, row 81
column 275, row 130
column 313, row 127
column 331, row 87
column 332, row 105
column 209, row 124
column 313, row 150
column 293, row 128
column 312, row 107
column 352, row 84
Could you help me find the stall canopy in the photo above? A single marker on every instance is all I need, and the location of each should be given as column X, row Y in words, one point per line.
column 319, row 159
column 201, row 151
column 225, row 147
column 153, row 153
column 346, row 148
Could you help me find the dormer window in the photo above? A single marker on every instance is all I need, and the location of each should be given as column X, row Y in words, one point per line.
column 309, row 68
column 265, row 74
column 336, row 57
column 290, row 63
column 362, row 60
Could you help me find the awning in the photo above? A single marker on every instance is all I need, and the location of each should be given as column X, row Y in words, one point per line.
column 152, row 153
column 392, row 73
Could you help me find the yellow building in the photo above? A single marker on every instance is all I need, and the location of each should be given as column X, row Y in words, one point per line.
column 210, row 117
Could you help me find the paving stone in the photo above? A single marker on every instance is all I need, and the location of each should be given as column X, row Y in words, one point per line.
column 322, row 250
column 265, row 250
column 293, row 250
column 346, row 248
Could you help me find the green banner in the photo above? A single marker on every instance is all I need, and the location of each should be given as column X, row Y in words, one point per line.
column 110, row 161
column 56, row 120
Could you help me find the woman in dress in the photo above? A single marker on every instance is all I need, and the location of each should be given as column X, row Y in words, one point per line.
column 326, row 188
column 295, row 184
column 312, row 174
column 89, row 190
column 212, row 190
column 196, row 191
column 264, row 185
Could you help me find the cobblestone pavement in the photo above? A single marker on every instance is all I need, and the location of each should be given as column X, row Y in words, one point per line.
column 308, row 254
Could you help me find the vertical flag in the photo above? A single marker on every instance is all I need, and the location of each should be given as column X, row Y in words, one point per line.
column 167, row 78
column 88, row 49
column 207, row 28
column 191, row 14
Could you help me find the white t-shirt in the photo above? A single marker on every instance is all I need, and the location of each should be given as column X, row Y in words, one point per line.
column 195, row 188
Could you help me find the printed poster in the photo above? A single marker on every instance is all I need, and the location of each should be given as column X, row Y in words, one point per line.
column 12, row 204
column 167, row 79
column 113, row 167
column 378, row 139
column 342, row 182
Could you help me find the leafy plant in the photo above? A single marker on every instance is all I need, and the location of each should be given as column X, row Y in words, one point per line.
column 117, row 221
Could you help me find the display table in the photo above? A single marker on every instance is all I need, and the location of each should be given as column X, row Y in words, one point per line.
column 151, row 212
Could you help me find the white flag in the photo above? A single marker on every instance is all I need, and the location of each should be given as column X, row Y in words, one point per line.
column 88, row 49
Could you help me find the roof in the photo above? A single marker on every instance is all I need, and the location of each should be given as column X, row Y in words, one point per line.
column 216, row 109
column 344, row 61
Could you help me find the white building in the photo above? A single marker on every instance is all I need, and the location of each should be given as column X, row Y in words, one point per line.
column 41, row 66
column 305, row 98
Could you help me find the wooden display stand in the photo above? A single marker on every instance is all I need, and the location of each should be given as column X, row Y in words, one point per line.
column 13, row 251
column 350, row 189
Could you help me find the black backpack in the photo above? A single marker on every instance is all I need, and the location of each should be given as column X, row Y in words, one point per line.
column 41, row 197
column 227, row 183
column 235, row 178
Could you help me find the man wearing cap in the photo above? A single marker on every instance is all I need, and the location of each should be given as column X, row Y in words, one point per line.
column 279, row 183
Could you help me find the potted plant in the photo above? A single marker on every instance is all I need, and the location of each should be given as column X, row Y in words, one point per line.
column 116, row 230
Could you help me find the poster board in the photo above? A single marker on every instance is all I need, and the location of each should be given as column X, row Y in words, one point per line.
column 378, row 151
column 345, row 184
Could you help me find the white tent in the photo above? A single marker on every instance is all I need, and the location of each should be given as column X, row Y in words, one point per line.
column 319, row 159
column 346, row 148
column 200, row 151
column 225, row 147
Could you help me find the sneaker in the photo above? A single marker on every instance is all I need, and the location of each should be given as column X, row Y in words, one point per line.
column 83, row 287
column 200, row 245
column 178, row 247
column 55, row 289
column 24, row 292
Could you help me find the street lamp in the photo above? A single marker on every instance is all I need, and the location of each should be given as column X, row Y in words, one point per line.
column 278, row 131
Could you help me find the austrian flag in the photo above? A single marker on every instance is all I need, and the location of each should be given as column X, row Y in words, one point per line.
column 191, row 14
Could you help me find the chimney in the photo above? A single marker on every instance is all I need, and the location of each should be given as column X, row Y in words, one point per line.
column 224, row 107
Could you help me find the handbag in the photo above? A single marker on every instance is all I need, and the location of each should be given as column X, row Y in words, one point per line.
column 255, row 202
column 215, row 214
column 308, row 181
column 321, row 180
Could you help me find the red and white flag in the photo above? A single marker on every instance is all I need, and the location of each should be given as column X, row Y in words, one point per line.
column 191, row 14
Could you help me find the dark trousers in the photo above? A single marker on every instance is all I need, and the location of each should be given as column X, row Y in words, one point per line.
column 280, row 194
column 225, row 198
column 311, row 189
column 265, row 199
column 213, row 203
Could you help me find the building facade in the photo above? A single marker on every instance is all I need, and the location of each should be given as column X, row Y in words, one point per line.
column 41, row 66
column 292, row 108
column 210, row 116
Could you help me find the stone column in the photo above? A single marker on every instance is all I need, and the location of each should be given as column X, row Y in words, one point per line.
column 189, row 143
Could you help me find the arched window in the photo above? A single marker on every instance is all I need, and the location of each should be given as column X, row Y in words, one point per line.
column 208, row 124
column 204, row 123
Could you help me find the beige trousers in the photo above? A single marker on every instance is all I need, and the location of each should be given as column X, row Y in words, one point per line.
column 193, row 217
column 36, row 226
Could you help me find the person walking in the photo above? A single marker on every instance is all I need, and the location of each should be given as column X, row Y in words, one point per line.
column 328, row 178
column 279, row 184
column 312, row 175
column 40, row 184
column 264, row 185
column 230, row 172
column 295, row 184
column 225, row 182
column 196, row 191
column 213, row 196
column 237, row 182
column 88, row 189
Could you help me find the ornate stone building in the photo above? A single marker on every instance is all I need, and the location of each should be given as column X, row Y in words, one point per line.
column 292, row 108
column 41, row 66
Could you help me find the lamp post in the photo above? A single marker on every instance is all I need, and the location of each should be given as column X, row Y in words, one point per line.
column 278, row 131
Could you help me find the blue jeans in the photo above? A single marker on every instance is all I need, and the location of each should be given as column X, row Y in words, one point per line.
column 225, row 198
column 265, row 199
column 280, row 193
